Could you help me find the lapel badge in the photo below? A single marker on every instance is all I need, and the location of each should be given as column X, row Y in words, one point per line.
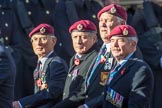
column 42, row 30
column 103, row 59
column 79, row 27
column 125, row 32
column 103, row 77
column 74, row 74
column 123, row 71
column 113, row 10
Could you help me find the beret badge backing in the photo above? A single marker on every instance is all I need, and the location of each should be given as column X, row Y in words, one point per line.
column 125, row 32
column 113, row 10
column 79, row 27
column 42, row 30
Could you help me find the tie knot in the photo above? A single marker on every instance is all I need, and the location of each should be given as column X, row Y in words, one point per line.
column 39, row 62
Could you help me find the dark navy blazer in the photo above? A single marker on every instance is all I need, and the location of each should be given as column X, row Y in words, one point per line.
column 56, row 72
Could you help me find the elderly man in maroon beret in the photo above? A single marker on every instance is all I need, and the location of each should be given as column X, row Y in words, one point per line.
column 130, row 83
column 84, row 38
column 50, row 73
column 109, row 17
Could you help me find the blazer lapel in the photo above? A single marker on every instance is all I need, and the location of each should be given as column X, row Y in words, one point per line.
column 50, row 57
column 97, row 70
column 122, row 71
column 96, row 73
column 72, row 65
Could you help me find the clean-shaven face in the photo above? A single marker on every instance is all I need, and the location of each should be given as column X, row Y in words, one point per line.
column 82, row 41
column 42, row 44
column 106, row 23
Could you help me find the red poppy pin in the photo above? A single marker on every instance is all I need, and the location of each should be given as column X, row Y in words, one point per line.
column 123, row 71
column 39, row 82
column 77, row 61
column 103, row 59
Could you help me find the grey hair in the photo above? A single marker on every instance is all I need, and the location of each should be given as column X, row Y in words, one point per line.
column 133, row 38
column 52, row 36
column 121, row 20
column 92, row 33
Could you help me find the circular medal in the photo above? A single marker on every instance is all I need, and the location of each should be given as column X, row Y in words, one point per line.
column 107, row 66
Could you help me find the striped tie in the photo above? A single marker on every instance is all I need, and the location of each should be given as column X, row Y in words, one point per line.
column 37, row 70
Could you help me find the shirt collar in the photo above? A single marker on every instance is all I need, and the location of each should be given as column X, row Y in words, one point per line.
column 78, row 56
column 107, row 47
column 122, row 62
column 43, row 60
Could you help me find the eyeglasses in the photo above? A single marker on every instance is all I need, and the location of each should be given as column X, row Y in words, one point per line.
column 42, row 39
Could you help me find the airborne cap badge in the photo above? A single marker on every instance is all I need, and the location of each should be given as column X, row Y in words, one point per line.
column 79, row 27
column 42, row 30
column 113, row 10
column 125, row 32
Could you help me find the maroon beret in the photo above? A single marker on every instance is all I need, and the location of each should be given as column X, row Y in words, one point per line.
column 123, row 31
column 42, row 29
column 83, row 26
column 114, row 9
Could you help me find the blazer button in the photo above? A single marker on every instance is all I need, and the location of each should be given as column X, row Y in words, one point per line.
column 86, row 96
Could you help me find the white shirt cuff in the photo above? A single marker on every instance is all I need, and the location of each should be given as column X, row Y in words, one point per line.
column 20, row 104
column 86, row 106
column 161, row 62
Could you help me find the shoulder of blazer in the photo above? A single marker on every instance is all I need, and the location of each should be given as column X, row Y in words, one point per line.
column 53, row 58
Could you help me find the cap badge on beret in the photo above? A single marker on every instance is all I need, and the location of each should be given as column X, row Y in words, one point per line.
column 42, row 30
column 79, row 26
column 125, row 32
column 113, row 10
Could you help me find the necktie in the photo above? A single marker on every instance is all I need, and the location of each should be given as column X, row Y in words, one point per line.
column 37, row 70
column 97, row 62
column 113, row 72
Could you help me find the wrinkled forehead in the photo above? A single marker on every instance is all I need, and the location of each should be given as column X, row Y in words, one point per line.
column 107, row 15
column 118, row 37
column 41, row 35
column 75, row 33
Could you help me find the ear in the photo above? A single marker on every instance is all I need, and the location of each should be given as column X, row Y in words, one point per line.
column 95, row 39
column 54, row 41
column 133, row 44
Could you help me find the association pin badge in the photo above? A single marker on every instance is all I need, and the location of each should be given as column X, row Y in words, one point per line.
column 74, row 74
column 104, row 76
column 107, row 66
column 125, row 32
column 113, row 10
column 79, row 27
column 42, row 30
